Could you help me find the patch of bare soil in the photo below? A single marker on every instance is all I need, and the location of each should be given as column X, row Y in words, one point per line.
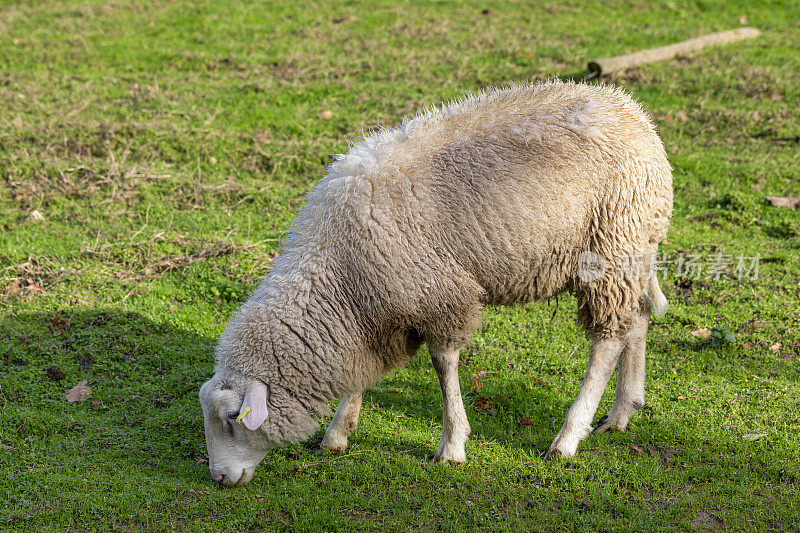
column 706, row 520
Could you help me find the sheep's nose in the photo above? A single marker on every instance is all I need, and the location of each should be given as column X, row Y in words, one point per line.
column 219, row 474
column 229, row 479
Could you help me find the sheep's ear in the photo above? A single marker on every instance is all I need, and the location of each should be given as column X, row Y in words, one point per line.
column 256, row 400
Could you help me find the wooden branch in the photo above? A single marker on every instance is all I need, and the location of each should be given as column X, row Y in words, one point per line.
column 607, row 65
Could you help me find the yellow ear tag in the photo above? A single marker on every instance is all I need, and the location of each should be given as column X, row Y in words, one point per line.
column 241, row 415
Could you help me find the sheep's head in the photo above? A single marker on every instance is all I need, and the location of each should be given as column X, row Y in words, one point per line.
column 245, row 418
column 234, row 408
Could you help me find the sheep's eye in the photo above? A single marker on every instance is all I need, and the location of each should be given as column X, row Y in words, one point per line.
column 232, row 415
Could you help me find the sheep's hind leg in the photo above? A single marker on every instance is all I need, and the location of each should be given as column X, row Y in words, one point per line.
column 343, row 424
column 455, row 426
column 630, row 375
column 578, row 424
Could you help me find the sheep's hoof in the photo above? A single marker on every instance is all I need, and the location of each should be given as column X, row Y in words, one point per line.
column 453, row 459
column 450, row 454
column 562, row 447
column 607, row 423
column 334, row 443
column 555, row 453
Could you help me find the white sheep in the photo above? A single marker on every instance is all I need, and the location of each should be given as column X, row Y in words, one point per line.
column 513, row 195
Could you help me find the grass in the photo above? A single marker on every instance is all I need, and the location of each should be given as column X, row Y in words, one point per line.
column 152, row 157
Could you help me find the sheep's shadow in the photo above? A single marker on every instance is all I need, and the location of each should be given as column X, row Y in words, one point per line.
column 143, row 375
column 495, row 419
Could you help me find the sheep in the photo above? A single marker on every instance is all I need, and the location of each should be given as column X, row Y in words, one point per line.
column 512, row 195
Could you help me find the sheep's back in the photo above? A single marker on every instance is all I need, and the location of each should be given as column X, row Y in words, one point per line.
column 526, row 182
column 497, row 194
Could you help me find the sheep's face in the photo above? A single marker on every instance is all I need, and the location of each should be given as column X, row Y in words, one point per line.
column 234, row 439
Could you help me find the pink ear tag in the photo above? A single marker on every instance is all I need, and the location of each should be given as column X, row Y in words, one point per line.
column 254, row 407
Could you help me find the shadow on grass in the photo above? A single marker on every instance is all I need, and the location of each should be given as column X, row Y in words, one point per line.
column 143, row 411
column 144, row 377
column 496, row 414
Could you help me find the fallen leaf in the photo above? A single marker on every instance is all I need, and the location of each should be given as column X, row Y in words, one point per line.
column 680, row 115
column 475, row 385
column 784, row 201
column 754, row 436
column 13, row 287
column 742, row 20
column 59, row 325
column 326, row 114
column 526, row 421
column 35, row 289
column 482, row 403
column 36, row 215
column 635, row 450
column 702, row 333
column 6, row 447
column 775, row 347
column 201, row 460
column 79, row 392
column 55, row 373
column 475, row 380
column 25, row 286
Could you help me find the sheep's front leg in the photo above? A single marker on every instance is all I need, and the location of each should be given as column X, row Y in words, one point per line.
column 578, row 424
column 455, row 426
column 343, row 424
column 630, row 376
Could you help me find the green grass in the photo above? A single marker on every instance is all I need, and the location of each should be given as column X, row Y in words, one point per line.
column 167, row 147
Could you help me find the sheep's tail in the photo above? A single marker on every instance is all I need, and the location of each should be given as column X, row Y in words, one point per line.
column 658, row 301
